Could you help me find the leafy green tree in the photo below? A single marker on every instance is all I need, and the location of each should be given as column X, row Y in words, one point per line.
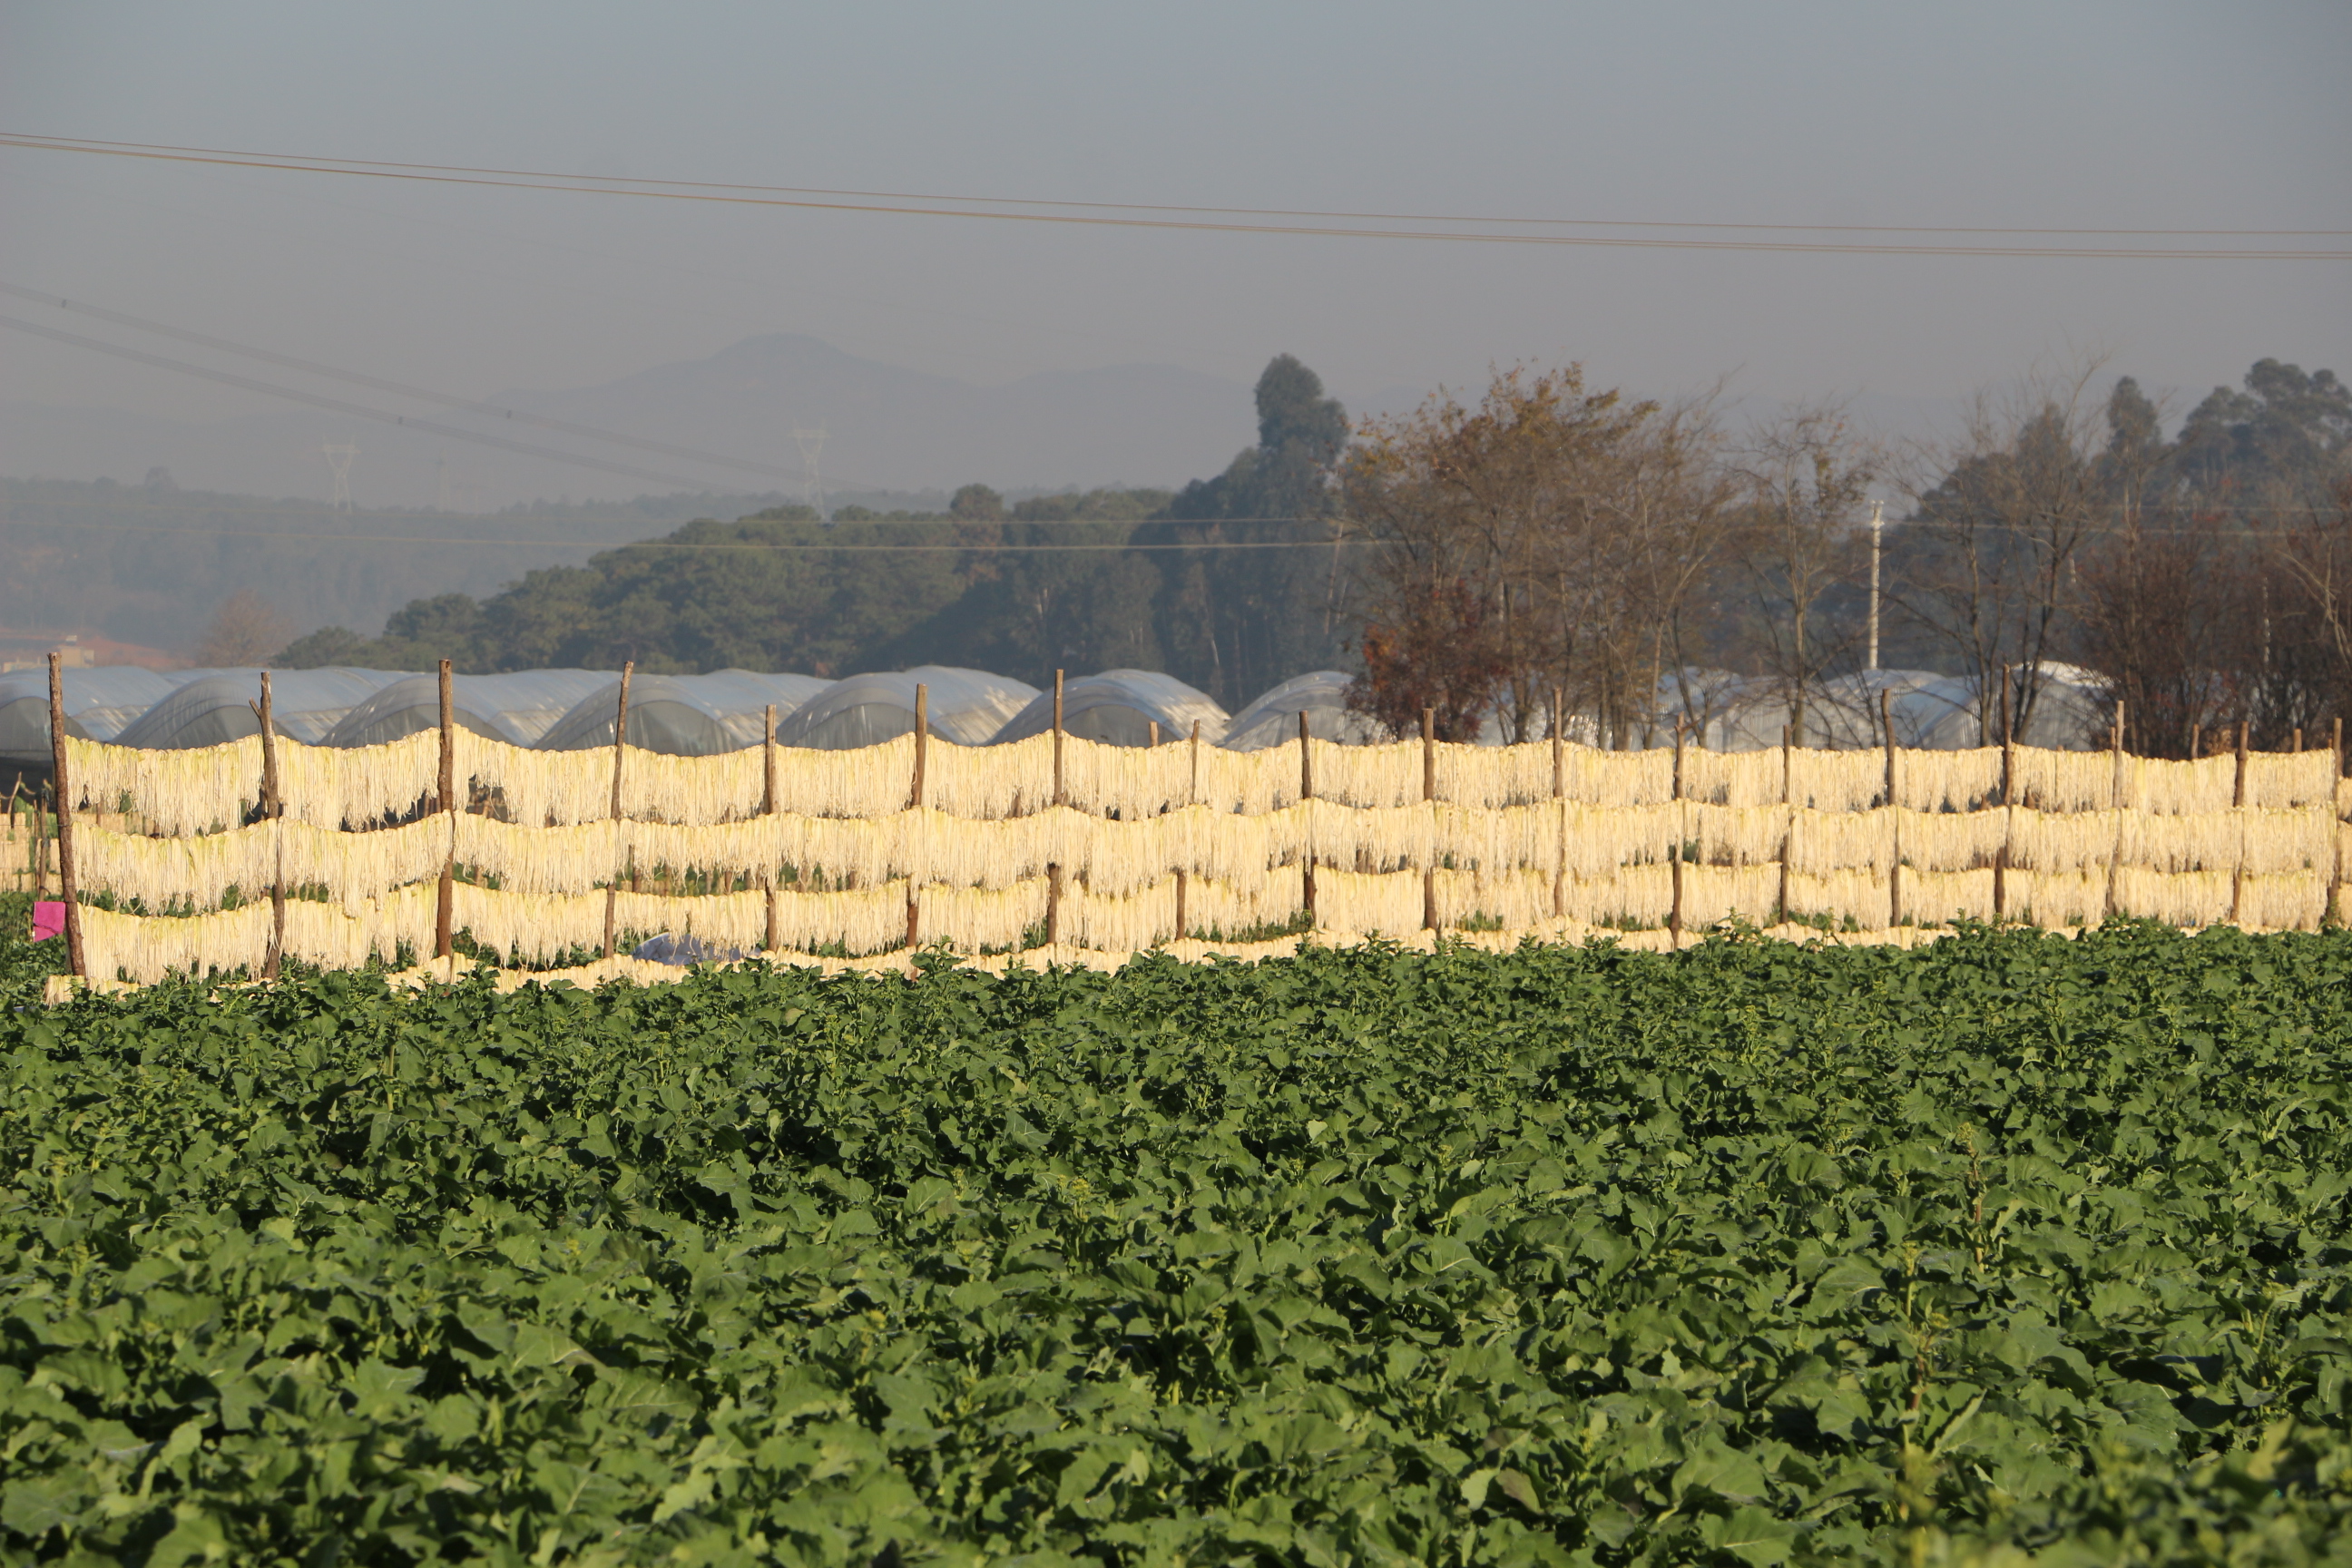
column 1236, row 620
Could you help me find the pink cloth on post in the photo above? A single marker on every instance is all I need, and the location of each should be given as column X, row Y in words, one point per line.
column 48, row 919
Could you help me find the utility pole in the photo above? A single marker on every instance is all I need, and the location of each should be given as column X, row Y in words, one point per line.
column 338, row 463
column 812, row 443
column 1877, row 532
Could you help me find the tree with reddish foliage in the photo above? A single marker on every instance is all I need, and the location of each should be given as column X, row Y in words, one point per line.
column 1440, row 657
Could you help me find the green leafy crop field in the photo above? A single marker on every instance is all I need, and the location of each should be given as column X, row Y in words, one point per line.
column 2012, row 1246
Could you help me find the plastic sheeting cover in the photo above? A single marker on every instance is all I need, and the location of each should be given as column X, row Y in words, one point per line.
column 101, row 701
column 741, row 699
column 1117, row 706
column 967, row 707
column 412, row 703
column 531, row 702
column 1322, row 696
column 665, row 715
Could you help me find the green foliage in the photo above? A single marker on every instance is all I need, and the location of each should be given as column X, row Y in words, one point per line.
column 776, row 591
column 1754, row 1254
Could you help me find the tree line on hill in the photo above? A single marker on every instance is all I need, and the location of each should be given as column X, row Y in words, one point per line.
column 1231, row 583
column 1473, row 559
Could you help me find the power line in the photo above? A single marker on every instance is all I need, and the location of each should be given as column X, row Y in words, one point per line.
column 357, row 410
column 624, row 182
column 827, row 544
column 994, row 209
column 401, row 388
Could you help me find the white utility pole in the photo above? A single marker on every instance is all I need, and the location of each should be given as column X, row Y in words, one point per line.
column 1878, row 530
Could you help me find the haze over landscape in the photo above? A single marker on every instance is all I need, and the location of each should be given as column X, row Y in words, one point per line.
column 1813, row 203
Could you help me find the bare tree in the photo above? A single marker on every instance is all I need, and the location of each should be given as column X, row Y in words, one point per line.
column 1575, row 521
column 1804, row 477
column 245, row 629
column 1997, row 539
column 2166, row 606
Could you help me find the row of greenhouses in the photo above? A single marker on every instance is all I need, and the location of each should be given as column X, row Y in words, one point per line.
column 696, row 715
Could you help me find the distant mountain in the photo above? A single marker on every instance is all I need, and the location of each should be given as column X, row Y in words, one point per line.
column 885, row 426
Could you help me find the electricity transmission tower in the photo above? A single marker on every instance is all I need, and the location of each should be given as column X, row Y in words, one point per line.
column 339, row 462
column 812, row 442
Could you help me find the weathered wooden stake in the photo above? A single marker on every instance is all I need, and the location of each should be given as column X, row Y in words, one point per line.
column 922, row 742
column 1559, row 804
column 2335, row 820
column 272, row 806
column 449, row 804
column 1429, row 793
column 1305, row 794
column 63, row 789
column 1674, row 857
column 2238, row 801
column 1053, row 903
column 1894, row 849
column 768, row 808
column 1059, row 799
column 1788, row 830
column 620, row 750
column 915, row 802
column 2008, row 817
column 2115, row 798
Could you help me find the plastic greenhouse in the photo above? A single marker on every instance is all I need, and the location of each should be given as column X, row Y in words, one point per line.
column 968, row 707
column 1118, row 707
column 1321, row 695
column 665, row 715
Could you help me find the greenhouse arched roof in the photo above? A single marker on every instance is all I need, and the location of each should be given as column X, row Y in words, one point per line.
column 741, row 698
column 100, row 700
column 1118, row 707
column 1322, row 696
column 966, row 706
column 665, row 715
column 412, row 703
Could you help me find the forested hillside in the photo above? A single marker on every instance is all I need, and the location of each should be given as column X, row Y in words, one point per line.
column 1232, row 583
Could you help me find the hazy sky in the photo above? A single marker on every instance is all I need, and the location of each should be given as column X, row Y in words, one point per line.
column 2112, row 115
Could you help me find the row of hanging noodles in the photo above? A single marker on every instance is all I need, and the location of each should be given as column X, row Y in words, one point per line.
column 207, row 789
column 201, row 872
column 933, row 848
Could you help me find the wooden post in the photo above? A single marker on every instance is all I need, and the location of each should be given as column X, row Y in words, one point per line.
column 2115, row 798
column 1053, row 903
column 1154, row 742
column 1059, row 799
column 1787, row 829
column 1429, row 794
column 1894, row 849
column 768, row 767
column 62, row 786
column 1674, row 853
column 915, row 803
column 1560, row 806
column 2297, row 744
column 620, row 750
column 2335, row 821
column 768, row 808
column 272, row 807
column 922, row 741
column 2197, row 740
column 2238, row 802
column 2008, row 799
column 41, row 846
column 449, row 804
column 1305, row 794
